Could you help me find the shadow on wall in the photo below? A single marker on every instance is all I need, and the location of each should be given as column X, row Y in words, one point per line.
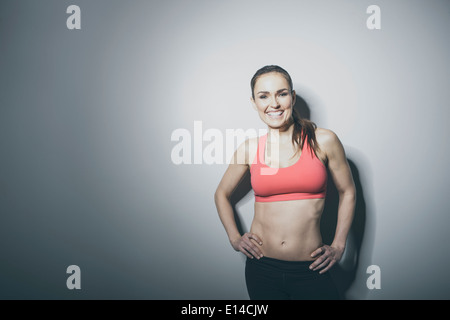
column 343, row 273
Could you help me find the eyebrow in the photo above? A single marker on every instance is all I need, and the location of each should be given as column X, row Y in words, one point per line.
column 269, row 92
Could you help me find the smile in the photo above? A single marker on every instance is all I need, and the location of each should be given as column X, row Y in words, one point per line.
column 275, row 114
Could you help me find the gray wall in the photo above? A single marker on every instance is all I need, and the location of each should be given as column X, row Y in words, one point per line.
column 86, row 118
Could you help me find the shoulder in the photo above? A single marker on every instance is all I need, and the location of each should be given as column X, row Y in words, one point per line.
column 330, row 144
column 326, row 136
column 327, row 140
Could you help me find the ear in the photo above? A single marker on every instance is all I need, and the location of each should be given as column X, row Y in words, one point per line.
column 253, row 103
column 294, row 97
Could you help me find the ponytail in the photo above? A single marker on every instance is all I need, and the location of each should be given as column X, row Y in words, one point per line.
column 304, row 131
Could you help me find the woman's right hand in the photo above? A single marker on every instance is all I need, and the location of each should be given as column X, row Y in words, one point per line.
column 245, row 245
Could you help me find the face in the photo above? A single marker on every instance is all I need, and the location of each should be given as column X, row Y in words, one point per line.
column 273, row 100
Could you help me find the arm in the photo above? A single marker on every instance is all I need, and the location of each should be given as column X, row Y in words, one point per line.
column 230, row 180
column 342, row 177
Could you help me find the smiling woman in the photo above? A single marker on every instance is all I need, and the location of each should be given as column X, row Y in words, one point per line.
column 278, row 104
column 286, row 258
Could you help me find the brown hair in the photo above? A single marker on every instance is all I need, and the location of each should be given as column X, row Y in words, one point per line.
column 304, row 129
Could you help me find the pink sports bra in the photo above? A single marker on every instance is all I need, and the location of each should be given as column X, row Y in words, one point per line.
column 306, row 179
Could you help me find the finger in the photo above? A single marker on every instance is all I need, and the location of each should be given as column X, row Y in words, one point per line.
column 321, row 260
column 332, row 262
column 322, row 265
column 255, row 249
column 244, row 249
column 317, row 252
column 246, row 253
column 252, row 249
column 256, row 252
column 256, row 238
column 316, row 262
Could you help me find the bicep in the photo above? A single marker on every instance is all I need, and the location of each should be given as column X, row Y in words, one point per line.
column 231, row 178
column 236, row 170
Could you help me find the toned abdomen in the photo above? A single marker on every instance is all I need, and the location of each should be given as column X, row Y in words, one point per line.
column 289, row 230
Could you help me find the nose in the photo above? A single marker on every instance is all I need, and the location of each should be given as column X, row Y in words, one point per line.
column 274, row 102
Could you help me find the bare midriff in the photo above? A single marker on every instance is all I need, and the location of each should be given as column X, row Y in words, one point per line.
column 289, row 230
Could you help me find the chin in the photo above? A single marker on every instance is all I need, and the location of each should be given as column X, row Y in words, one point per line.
column 276, row 122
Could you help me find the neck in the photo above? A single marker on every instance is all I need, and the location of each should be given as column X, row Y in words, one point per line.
column 281, row 135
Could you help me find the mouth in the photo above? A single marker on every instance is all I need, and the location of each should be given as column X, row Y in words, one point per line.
column 275, row 114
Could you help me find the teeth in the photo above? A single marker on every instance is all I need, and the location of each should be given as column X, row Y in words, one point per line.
column 273, row 114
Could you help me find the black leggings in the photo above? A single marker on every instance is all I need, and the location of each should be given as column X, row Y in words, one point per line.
column 272, row 279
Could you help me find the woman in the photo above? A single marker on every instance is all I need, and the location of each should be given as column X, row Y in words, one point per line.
column 286, row 258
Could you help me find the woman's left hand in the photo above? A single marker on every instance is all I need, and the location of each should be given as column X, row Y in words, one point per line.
column 327, row 257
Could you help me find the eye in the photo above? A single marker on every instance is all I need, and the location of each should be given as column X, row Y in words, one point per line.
column 283, row 94
column 262, row 96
